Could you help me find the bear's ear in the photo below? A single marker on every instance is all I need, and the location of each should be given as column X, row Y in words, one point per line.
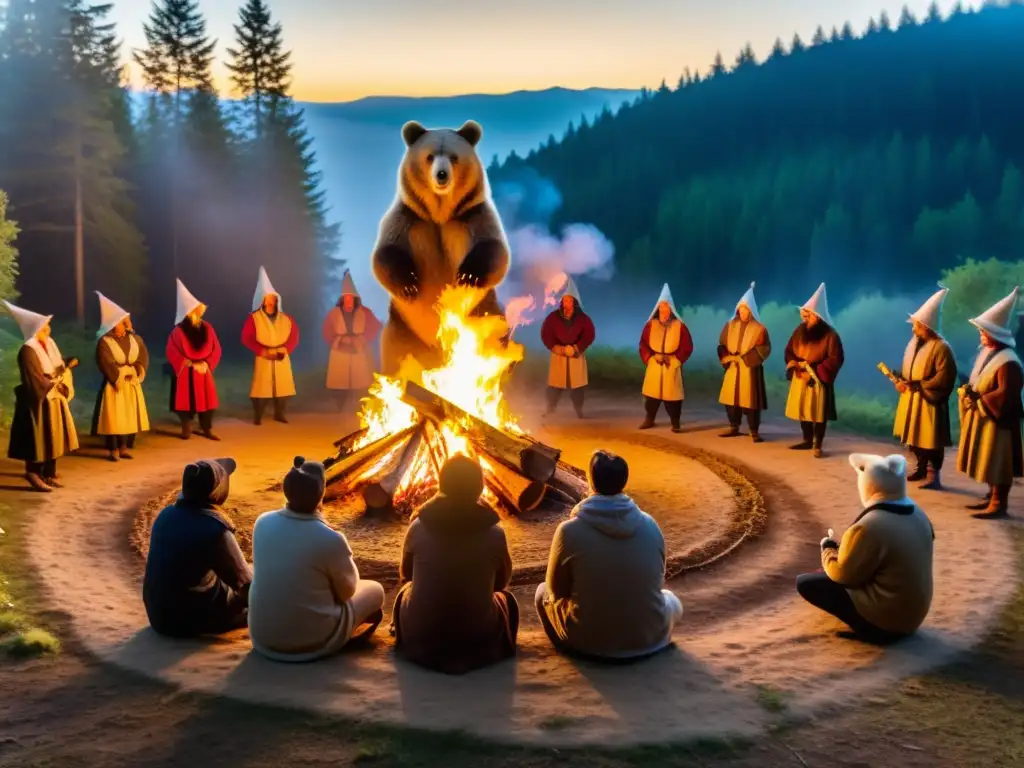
column 896, row 464
column 471, row 132
column 860, row 461
column 412, row 132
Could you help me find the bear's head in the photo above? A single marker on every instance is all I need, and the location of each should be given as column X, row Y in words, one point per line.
column 441, row 165
column 880, row 478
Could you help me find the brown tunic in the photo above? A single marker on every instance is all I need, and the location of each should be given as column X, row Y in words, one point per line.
column 743, row 385
column 990, row 427
column 922, row 415
column 821, row 348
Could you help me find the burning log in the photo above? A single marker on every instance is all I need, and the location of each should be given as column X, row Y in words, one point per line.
column 524, row 456
column 380, row 495
column 343, row 470
column 517, row 494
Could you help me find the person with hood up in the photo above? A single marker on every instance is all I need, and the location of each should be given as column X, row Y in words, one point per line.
column 272, row 337
column 743, row 347
column 197, row 580
column 991, row 411
column 193, row 352
column 604, row 595
column 814, row 355
column 454, row 612
column 925, row 383
column 665, row 346
column 42, row 429
column 878, row 578
column 350, row 330
column 120, row 413
column 307, row 599
column 567, row 333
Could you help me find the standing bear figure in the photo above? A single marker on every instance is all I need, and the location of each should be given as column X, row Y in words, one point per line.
column 442, row 230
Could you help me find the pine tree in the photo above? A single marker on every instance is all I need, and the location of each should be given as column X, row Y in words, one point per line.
column 934, row 15
column 958, row 9
column 746, row 57
column 797, row 45
column 847, row 32
column 884, row 25
column 260, row 67
column 907, row 18
column 819, row 37
column 872, row 27
column 717, row 66
column 834, row 35
column 8, row 252
column 778, row 50
column 663, row 88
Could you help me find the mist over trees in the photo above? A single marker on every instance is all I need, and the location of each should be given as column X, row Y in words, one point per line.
column 871, row 162
column 122, row 194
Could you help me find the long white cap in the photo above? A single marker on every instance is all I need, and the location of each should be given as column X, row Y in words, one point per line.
column 570, row 289
column 110, row 315
column 748, row 301
column 666, row 296
column 29, row 323
column 818, row 304
column 348, row 285
column 995, row 321
column 930, row 313
column 264, row 289
column 186, row 303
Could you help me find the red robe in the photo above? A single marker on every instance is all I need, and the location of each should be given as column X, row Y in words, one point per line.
column 179, row 349
column 578, row 332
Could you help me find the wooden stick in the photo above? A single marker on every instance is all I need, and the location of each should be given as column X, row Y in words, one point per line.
column 524, row 494
column 341, row 469
column 528, row 457
column 344, row 445
column 379, row 495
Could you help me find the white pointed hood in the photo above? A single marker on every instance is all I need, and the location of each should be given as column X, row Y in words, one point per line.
column 29, row 323
column 995, row 321
column 110, row 315
column 666, row 296
column 570, row 289
column 264, row 289
column 348, row 285
column 930, row 313
column 818, row 304
column 186, row 303
column 748, row 301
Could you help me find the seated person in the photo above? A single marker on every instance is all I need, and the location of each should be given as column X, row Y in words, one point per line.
column 604, row 595
column 307, row 599
column 878, row 579
column 453, row 613
column 197, row 580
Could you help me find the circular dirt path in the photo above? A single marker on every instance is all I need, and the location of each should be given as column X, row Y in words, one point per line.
column 744, row 632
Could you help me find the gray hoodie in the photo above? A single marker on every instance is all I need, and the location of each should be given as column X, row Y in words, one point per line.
column 604, row 580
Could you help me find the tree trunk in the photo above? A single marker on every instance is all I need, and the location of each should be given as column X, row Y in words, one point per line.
column 79, row 239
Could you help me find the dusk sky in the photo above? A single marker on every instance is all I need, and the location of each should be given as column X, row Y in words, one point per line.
column 347, row 49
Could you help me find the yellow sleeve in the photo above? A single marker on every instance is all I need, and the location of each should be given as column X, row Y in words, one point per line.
column 855, row 562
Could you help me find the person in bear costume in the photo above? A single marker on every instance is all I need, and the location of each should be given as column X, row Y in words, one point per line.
column 878, row 578
column 442, row 230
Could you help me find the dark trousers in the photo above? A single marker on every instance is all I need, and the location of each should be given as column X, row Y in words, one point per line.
column 119, row 442
column 342, row 397
column 735, row 414
column 926, row 456
column 821, row 592
column 674, row 409
column 576, row 395
column 814, row 432
column 205, row 419
column 44, row 469
column 259, row 405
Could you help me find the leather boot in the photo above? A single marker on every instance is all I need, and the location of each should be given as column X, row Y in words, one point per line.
column 997, row 505
column 186, row 430
column 732, row 431
column 983, row 504
column 756, row 437
column 920, row 473
column 37, row 482
column 647, row 424
column 934, row 482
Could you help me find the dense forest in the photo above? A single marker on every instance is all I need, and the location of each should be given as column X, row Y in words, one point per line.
column 881, row 158
column 123, row 192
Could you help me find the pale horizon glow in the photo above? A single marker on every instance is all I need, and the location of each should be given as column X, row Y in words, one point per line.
column 344, row 50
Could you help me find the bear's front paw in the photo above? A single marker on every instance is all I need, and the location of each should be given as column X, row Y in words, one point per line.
column 467, row 279
column 409, row 291
column 479, row 266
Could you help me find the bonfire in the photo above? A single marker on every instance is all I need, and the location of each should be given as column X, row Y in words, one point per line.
column 412, row 423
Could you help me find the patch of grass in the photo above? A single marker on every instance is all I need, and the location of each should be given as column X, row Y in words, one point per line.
column 771, row 700
column 30, row 644
column 10, row 622
column 557, row 723
column 371, row 752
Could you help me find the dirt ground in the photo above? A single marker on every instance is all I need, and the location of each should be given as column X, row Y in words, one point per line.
column 750, row 661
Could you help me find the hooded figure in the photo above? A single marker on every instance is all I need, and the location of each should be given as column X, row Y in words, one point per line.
column 878, row 578
column 665, row 345
column 814, row 355
column 454, row 612
column 271, row 336
column 43, row 428
column 604, row 595
column 925, row 383
column 193, row 351
column 307, row 598
column 350, row 330
column 120, row 412
column 197, row 580
column 990, row 411
column 743, row 346
column 567, row 333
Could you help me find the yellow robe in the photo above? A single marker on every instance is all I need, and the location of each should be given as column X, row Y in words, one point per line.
column 919, row 423
column 986, row 451
column 123, row 410
column 743, row 383
column 664, row 382
column 272, row 378
column 63, row 434
column 350, row 365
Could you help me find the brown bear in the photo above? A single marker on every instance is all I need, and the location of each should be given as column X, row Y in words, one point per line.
column 442, row 230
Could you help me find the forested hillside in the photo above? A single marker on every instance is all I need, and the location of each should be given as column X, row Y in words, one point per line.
column 881, row 157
